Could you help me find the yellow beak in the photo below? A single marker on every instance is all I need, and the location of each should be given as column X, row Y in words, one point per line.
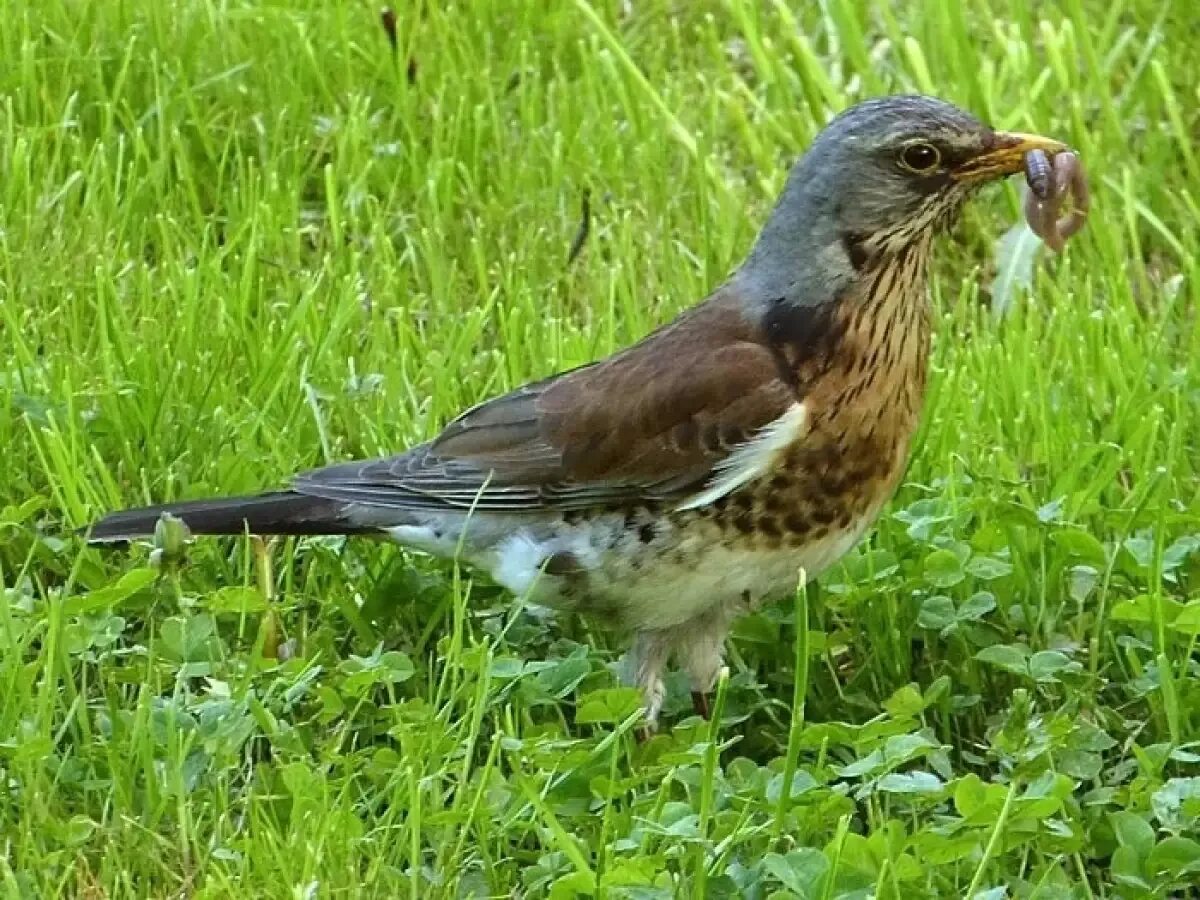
column 1005, row 156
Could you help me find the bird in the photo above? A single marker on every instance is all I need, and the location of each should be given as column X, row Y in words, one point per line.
column 686, row 480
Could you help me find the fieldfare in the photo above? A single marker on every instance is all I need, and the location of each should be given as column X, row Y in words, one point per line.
column 679, row 483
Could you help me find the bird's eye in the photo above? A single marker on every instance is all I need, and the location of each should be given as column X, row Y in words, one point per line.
column 920, row 157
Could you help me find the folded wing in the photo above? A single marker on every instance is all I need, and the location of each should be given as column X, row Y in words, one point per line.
column 650, row 424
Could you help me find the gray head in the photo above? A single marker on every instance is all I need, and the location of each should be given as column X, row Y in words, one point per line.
column 881, row 176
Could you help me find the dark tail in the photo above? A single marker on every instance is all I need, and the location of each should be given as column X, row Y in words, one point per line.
column 282, row 512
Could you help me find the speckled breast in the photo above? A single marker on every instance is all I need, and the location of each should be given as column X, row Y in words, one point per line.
column 842, row 470
column 862, row 389
column 820, row 488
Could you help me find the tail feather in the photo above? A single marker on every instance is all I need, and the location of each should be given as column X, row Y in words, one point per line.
column 281, row 512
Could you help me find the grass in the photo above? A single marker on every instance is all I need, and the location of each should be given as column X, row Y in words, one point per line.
column 240, row 239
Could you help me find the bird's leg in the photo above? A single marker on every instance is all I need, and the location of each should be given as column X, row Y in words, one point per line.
column 643, row 668
column 700, row 650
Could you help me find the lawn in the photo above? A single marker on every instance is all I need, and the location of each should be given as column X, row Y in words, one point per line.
column 242, row 238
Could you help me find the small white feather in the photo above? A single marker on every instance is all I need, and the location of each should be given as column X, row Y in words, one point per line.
column 753, row 458
column 518, row 563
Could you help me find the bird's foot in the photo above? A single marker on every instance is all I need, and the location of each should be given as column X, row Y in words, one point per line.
column 642, row 667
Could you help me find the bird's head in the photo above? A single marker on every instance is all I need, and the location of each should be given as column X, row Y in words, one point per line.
column 887, row 170
column 882, row 175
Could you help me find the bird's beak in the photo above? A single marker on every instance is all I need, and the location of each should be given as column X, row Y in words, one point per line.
column 1005, row 155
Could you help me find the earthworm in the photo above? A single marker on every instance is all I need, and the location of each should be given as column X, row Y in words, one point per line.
column 1045, row 201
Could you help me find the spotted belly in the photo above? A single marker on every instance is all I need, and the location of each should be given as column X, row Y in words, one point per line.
column 692, row 568
column 641, row 569
column 750, row 545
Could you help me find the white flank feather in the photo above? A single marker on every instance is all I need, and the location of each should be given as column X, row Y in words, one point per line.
column 753, row 458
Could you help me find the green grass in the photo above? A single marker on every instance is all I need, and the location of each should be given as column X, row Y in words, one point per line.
column 237, row 241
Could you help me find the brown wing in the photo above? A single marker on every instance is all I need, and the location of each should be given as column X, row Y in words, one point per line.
column 646, row 424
